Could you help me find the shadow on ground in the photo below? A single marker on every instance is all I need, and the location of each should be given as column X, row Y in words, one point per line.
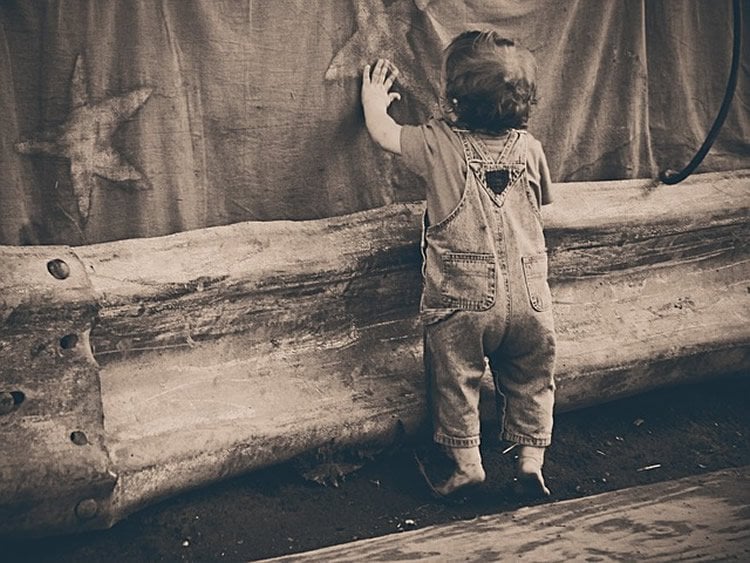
column 658, row 436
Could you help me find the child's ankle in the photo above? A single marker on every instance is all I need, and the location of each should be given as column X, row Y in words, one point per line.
column 530, row 459
column 465, row 456
column 529, row 471
column 468, row 462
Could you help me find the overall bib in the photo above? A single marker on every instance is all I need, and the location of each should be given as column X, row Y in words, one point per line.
column 486, row 299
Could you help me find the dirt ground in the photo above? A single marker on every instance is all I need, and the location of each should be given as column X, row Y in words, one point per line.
column 658, row 436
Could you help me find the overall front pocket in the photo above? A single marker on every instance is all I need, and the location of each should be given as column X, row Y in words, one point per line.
column 535, row 276
column 468, row 280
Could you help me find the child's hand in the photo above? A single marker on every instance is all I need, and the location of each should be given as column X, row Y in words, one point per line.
column 376, row 98
column 375, row 87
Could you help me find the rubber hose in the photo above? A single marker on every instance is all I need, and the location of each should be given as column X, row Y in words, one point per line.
column 673, row 178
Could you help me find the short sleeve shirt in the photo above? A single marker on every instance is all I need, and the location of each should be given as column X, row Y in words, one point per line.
column 434, row 152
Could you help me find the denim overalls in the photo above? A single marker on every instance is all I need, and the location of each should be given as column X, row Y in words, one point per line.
column 486, row 295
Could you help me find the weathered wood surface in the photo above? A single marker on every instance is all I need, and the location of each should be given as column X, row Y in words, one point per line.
column 232, row 348
column 702, row 518
column 54, row 467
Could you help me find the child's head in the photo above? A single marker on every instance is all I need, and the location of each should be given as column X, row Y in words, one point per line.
column 490, row 83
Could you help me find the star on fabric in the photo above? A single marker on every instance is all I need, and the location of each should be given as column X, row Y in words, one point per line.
column 383, row 32
column 85, row 138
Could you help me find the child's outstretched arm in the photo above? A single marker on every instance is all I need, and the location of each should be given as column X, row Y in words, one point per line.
column 376, row 99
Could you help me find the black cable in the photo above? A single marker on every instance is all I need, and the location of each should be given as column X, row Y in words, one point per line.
column 669, row 177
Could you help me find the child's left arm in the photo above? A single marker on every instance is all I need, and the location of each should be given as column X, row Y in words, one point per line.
column 376, row 98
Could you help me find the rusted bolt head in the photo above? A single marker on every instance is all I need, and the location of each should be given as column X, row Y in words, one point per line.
column 58, row 268
column 68, row 341
column 87, row 509
column 6, row 402
column 78, row 438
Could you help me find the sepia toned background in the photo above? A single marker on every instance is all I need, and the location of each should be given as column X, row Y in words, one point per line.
column 252, row 109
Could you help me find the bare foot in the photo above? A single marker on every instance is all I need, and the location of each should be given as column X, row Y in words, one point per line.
column 529, row 471
column 464, row 477
column 469, row 470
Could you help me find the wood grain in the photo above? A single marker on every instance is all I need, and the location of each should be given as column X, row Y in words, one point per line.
column 231, row 348
column 696, row 518
column 277, row 338
column 53, row 446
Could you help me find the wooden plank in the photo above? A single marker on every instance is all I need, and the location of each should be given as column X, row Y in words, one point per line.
column 695, row 518
column 233, row 348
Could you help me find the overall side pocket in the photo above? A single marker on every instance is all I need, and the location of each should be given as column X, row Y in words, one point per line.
column 535, row 276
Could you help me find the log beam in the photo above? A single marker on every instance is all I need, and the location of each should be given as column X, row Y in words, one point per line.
column 232, row 348
column 55, row 472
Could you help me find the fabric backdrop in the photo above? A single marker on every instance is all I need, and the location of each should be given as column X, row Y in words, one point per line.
column 182, row 114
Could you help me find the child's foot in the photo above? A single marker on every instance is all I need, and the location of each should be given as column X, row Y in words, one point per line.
column 466, row 470
column 469, row 471
column 529, row 471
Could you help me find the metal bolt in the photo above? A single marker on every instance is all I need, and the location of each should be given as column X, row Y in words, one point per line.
column 78, row 438
column 68, row 341
column 87, row 509
column 58, row 268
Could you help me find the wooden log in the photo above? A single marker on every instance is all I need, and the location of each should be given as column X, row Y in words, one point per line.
column 54, row 467
column 232, row 348
column 694, row 518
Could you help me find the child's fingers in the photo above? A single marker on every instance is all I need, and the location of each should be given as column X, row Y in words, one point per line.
column 393, row 96
column 392, row 78
column 366, row 74
column 378, row 74
column 383, row 73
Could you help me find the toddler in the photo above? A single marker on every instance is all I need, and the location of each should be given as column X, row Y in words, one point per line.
column 485, row 296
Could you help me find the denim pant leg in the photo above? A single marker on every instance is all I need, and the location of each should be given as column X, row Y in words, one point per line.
column 454, row 362
column 524, row 377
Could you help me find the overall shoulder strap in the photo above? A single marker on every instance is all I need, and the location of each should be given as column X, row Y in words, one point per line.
column 511, row 140
column 470, row 150
column 475, row 149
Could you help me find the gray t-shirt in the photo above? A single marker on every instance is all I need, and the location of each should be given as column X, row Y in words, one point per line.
column 434, row 152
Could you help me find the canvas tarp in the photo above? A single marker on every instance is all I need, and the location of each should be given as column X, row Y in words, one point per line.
column 208, row 112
